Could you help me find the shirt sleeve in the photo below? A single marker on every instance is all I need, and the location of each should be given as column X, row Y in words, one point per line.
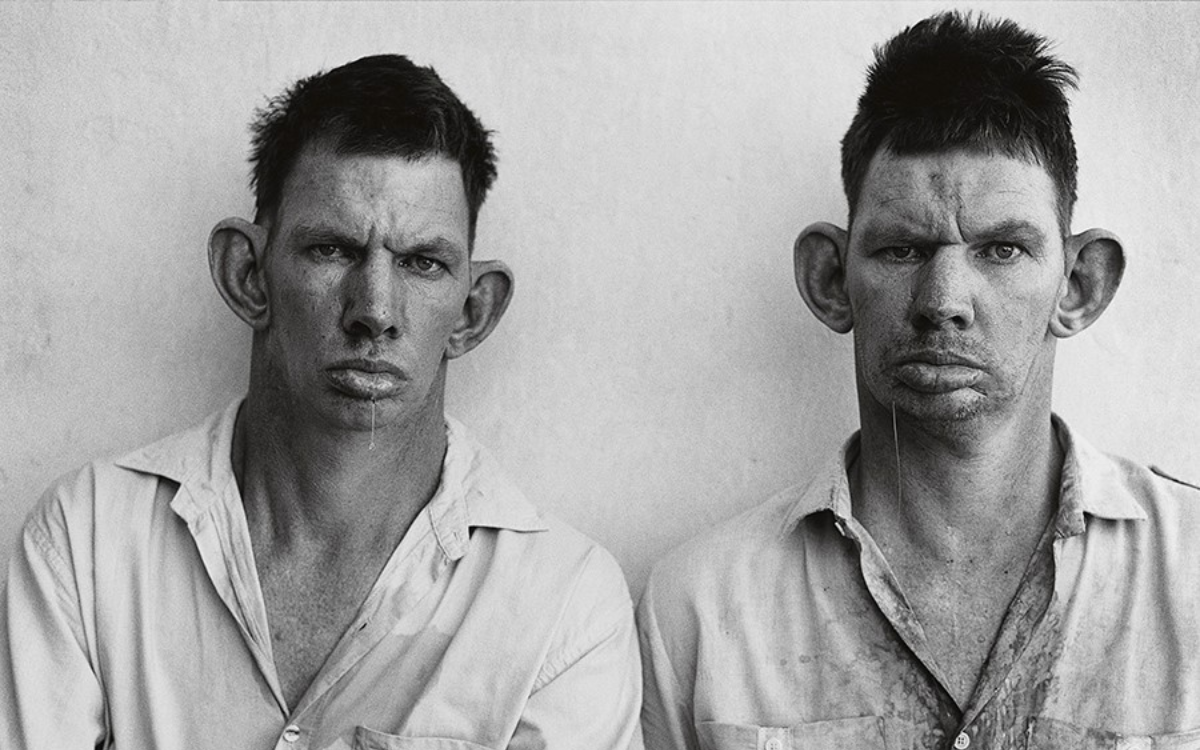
column 589, row 690
column 50, row 696
column 667, row 722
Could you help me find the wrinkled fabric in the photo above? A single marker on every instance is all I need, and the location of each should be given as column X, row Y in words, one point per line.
column 785, row 628
column 133, row 618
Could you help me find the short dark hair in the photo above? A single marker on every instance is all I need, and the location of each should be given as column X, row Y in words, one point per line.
column 954, row 80
column 377, row 105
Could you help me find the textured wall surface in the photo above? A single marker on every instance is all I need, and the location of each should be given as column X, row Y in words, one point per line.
column 657, row 370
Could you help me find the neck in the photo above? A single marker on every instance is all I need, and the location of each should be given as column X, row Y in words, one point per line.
column 977, row 485
column 306, row 483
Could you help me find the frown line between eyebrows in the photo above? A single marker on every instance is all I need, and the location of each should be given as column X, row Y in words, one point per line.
column 903, row 230
column 316, row 234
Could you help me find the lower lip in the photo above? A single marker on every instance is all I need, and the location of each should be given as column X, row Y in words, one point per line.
column 363, row 384
column 929, row 378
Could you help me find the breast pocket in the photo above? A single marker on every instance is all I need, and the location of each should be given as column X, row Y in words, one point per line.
column 1051, row 734
column 864, row 732
column 369, row 739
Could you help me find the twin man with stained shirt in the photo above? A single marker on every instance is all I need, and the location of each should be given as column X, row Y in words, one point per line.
column 332, row 562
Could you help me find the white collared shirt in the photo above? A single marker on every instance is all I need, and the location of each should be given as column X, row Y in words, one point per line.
column 133, row 618
column 785, row 628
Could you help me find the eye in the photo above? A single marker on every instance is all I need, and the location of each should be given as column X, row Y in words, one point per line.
column 329, row 251
column 901, row 253
column 424, row 265
column 1001, row 251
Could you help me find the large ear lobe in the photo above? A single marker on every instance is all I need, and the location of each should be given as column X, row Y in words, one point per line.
column 236, row 249
column 1095, row 264
column 491, row 289
column 821, row 275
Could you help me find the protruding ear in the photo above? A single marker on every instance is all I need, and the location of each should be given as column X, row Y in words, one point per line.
column 491, row 289
column 236, row 249
column 821, row 276
column 1095, row 264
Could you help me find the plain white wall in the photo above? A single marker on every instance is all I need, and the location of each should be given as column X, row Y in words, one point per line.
column 657, row 370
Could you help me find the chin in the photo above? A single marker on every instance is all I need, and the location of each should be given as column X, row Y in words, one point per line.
column 356, row 413
column 941, row 412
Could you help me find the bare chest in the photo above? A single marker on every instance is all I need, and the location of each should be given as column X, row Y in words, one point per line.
column 961, row 616
column 309, row 608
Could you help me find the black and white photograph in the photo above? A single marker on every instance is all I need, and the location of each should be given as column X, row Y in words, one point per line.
column 599, row 375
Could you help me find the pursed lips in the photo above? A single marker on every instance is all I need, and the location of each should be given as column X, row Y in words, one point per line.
column 938, row 357
column 366, row 378
column 368, row 365
column 937, row 371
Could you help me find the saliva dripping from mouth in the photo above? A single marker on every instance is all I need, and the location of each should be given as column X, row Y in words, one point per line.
column 371, row 445
column 896, row 443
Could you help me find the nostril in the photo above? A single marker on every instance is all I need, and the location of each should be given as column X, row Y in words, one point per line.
column 368, row 321
column 359, row 328
column 942, row 318
column 942, row 300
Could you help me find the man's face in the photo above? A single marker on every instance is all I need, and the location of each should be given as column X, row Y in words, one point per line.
column 367, row 274
column 954, row 268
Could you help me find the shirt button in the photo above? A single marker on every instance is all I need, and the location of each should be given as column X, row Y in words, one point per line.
column 962, row 741
column 774, row 744
column 291, row 734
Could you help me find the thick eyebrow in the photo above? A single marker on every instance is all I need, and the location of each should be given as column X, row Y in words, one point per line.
column 437, row 245
column 316, row 234
column 902, row 230
column 1015, row 230
column 897, row 231
column 310, row 234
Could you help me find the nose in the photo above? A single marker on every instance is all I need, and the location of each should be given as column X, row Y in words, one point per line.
column 372, row 305
column 943, row 295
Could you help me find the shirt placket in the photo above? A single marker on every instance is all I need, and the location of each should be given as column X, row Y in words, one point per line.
column 1018, row 630
column 885, row 591
column 223, row 542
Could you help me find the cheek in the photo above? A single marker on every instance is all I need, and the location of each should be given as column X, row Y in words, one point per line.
column 436, row 320
column 305, row 321
column 879, row 307
column 450, row 305
column 1025, row 312
column 307, row 316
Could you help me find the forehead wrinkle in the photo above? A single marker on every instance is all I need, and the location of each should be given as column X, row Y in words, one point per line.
column 923, row 186
column 382, row 201
column 935, row 195
column 911, row 218
column 380, row 217
column 399, row 222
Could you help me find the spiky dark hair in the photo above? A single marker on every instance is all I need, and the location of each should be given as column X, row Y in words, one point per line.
column 378, row 105
column 958, row 81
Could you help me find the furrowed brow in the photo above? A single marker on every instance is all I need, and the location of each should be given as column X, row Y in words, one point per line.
column 1013, row 230
column 439, row 247
column 897, row 230
column 312, row 234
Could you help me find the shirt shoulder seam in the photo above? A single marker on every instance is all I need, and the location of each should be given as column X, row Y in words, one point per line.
column 559, row 660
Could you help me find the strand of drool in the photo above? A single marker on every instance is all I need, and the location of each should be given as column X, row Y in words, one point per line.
column 371, row 447
column 896, row 443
